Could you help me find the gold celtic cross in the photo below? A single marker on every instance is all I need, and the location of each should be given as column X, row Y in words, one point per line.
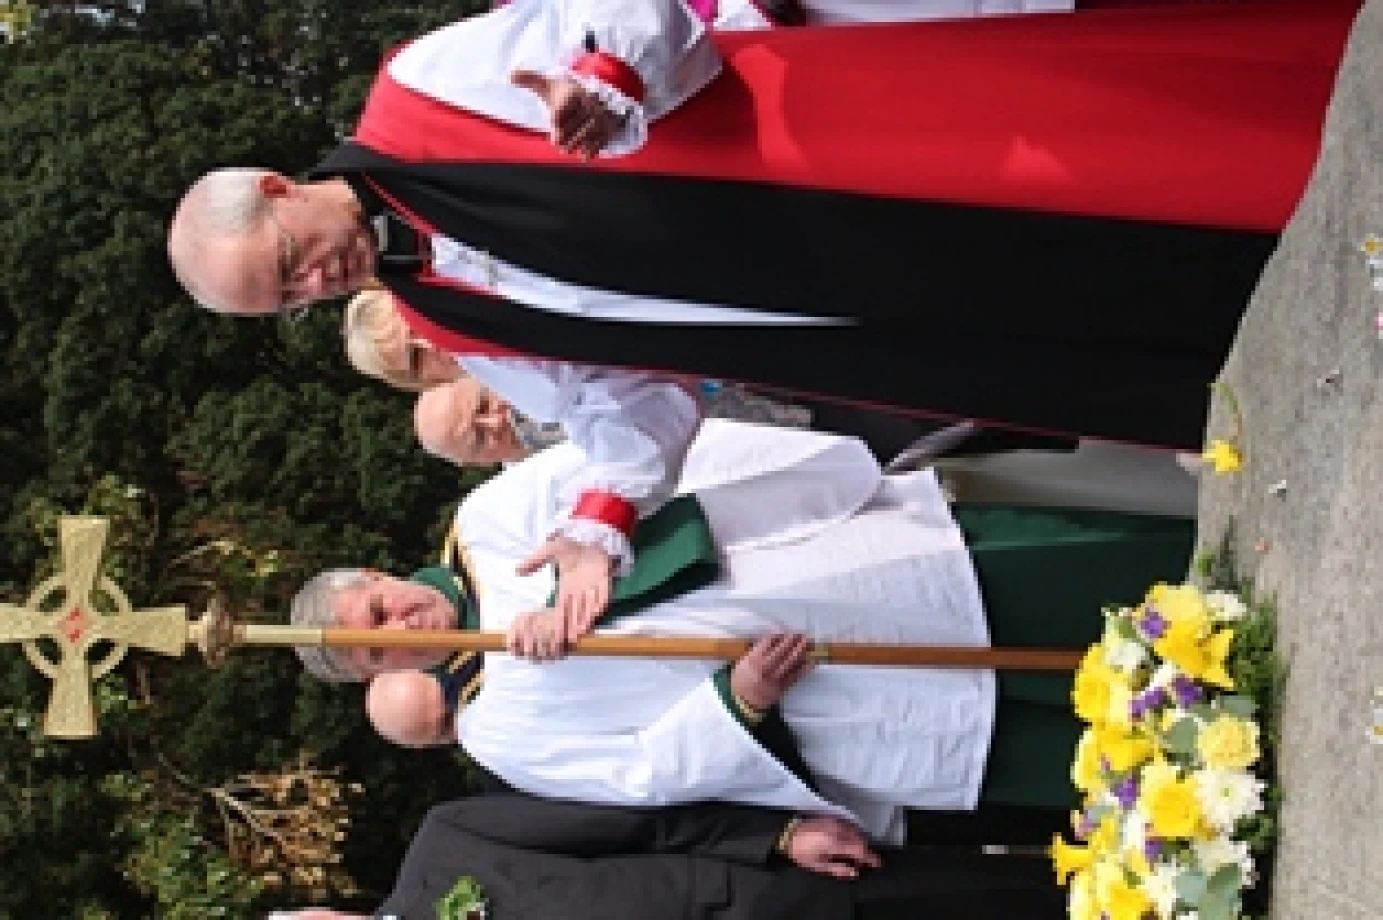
column 65, row 609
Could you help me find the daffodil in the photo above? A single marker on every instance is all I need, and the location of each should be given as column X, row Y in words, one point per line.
column 1223, row 457
column 1202, row 659
column 1080, row 900
column 1090, row 690
column 1172, row 809
column 1180, row 604
column 1124, row 750
column 1068, row 859
column 1117, row 899
column 1085, row 768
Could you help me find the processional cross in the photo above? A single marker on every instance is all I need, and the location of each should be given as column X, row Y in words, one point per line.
column 78, row 624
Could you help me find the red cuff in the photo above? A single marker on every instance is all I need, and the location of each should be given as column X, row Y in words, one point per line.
column 611, row 71
column 607, row 508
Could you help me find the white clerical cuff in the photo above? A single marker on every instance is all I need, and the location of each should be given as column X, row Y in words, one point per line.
column 591, row 532
column 632, row 132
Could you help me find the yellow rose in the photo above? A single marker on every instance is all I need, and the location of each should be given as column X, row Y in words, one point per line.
column 1172, row 809
column 1067, row 859
column 1203, row 660
column 1228, row 743
column 1223, row 456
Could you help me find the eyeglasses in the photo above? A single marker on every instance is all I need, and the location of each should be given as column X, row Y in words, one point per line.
column 289, row 272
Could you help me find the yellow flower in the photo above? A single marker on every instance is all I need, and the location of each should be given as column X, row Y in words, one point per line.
column 1085, row 768
column 1119, row 900
column 1090, row 690
column 1179, row 603
column 1124, row 750
column 1080, row 901
column 1172, row 809
column 1136, row 862
column 1203, row 660
column 1228, row 743
column 1067, row 859
column 1223, row 456
column 1105, row 837
column 1119, row 702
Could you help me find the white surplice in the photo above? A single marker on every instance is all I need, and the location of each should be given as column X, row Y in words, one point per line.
column 814, row 538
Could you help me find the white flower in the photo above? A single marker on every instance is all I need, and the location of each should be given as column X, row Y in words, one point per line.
column 1225, row 796
column 1225, row 606
column 1163, row 675
column 1123, row 654
column 1221, row 851
column 1161, row 889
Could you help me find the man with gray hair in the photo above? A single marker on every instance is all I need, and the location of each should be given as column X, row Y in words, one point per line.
column 778, row 534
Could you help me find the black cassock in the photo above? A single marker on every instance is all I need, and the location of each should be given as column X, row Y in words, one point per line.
column 1051, row 223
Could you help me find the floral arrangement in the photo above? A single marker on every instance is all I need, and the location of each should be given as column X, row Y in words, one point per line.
column 1167, row 763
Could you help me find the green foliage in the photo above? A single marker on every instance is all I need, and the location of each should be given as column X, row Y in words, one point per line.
column 1260, row 681
column 233, row 458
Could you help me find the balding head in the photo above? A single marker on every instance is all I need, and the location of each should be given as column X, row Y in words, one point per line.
column 407, row 708
column 251, row 241
column 465, row 422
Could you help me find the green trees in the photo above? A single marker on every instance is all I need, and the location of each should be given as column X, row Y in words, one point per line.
column 234, row 457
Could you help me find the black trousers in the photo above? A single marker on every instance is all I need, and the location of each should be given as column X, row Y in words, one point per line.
column 927, row 884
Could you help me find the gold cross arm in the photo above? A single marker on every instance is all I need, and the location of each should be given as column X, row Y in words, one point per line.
column 65, row 610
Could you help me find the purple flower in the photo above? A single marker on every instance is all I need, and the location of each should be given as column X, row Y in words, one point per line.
column 1126, row 791
column 1144, row 703
column 1152, row 848
column 1084, row 825
column 1186, row 690
column 1151, row 624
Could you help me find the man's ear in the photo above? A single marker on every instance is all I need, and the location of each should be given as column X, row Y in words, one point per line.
column 273, row 185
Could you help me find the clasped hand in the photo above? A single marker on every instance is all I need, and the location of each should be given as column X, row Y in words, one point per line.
column 579, row 121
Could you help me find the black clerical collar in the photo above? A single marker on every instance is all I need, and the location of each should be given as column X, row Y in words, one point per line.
column 401, row 248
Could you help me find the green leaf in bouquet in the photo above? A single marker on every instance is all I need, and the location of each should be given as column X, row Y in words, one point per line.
column 1124, row 629
column 1226, row 881
column 1217, row 906
column 1181, row 737
column 1190, row 887
column 1242, row 707
column 1203, row 711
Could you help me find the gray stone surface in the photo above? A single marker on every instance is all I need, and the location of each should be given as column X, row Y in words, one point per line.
column 1322, row 553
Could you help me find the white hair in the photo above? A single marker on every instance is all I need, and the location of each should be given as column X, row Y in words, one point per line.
column 314, row 606
column 224, row 202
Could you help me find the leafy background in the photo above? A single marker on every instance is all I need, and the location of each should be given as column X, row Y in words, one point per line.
column 234, row 458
